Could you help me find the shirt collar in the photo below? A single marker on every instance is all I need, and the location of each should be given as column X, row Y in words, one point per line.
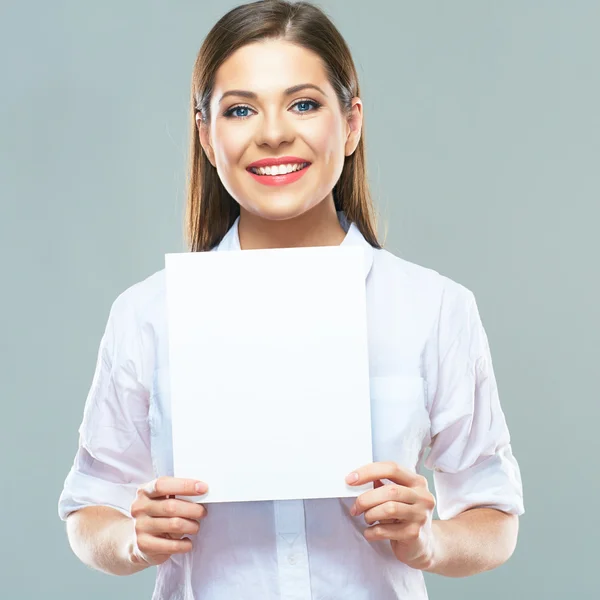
column 231, row 240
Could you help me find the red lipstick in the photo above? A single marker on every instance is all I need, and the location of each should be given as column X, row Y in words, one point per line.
column 281, row 160
column 278, row 179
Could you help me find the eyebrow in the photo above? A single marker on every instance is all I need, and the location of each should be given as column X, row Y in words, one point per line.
column 288, row 92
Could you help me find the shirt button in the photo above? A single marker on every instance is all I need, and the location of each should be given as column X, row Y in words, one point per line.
column 292, row 559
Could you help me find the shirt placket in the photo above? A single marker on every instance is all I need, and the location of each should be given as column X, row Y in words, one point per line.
column 292, row 552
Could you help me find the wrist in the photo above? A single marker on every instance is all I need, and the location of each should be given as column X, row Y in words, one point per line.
column 132, row 558
column 434, row 558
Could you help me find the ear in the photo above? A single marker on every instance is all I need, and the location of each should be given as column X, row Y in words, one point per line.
column 204, row 135
column 354, row 126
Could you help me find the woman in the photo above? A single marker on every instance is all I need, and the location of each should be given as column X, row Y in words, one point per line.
column 274, row 84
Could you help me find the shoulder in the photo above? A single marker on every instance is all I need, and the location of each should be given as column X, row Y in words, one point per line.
column 420, row 282
column 135, row 314
column 135, row 322
column 441, row 311
column 140, row 299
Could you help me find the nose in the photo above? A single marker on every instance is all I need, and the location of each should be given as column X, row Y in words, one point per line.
column 273, row 130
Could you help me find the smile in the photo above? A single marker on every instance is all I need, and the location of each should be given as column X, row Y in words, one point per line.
column 278, row 169
column 279, row 174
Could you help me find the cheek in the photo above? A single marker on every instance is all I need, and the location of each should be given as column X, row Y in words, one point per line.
column 326, row 141
column 230, row 146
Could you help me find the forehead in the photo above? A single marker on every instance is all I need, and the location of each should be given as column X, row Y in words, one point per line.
column 269, row 66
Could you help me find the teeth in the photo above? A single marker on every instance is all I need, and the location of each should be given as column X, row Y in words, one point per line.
column 278, row 170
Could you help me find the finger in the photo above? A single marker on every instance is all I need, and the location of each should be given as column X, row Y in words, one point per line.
column 174, row 486
column 151, row 545
column 401, row 532
column 383, row 494
column 176, row 536
column 391, row 512
column 385, row 470
column 176, row 527
column 173, row 507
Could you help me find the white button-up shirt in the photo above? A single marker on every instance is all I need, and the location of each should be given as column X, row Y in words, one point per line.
column 432, row 386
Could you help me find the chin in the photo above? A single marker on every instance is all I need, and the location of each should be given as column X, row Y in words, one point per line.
column 276, row 209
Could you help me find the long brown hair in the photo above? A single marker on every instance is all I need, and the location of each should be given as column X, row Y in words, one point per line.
column 210, row 209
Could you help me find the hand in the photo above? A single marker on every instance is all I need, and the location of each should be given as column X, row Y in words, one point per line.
column 161, row 521
column 404, row 510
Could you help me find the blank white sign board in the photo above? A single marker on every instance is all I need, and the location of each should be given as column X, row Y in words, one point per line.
column 269, row 372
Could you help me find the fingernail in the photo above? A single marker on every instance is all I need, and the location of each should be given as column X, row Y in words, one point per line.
column 353, row 510
column 200, row 488
column 352, row 478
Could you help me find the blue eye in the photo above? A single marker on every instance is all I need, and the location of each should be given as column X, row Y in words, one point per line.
column 305, row 103
column 308, row 104
column 245, row 110
column 233, row 110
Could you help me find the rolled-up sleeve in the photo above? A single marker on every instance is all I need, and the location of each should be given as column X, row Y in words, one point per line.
column 470, row 451
column 113, row 457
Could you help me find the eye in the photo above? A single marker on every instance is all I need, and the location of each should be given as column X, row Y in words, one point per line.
column 231, row 112
column 306, row 103
column 242, row 111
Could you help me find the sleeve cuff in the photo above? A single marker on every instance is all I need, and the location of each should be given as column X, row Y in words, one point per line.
column 82, row 490
column 494, row 482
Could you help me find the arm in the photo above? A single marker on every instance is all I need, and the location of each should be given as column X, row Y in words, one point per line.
column 471, row 455
column 477, row 479
column 474, row 541
column 102, row 538
column 113, row 457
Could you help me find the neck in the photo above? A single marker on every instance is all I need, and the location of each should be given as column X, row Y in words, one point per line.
column 318, row 226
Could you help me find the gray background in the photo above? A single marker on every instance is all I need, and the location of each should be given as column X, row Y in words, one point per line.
column 483, row 133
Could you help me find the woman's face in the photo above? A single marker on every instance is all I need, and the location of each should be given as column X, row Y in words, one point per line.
column 255, row 117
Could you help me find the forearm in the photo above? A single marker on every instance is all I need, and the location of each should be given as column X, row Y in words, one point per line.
column 102, row 538
column 474, row 541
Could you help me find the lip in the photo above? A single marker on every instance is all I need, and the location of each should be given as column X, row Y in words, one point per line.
column 281, row 160
column 276, row 180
